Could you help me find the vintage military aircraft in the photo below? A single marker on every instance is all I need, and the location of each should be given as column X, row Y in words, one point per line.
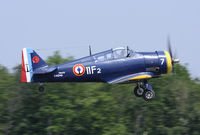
column 113, row 66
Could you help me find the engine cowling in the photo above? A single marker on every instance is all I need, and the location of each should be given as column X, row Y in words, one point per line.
column 159, row 62
column 165, row 62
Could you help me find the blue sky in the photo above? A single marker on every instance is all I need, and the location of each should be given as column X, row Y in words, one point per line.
column 70, row 26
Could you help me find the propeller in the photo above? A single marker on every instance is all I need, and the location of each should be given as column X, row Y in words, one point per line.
column 174, row 60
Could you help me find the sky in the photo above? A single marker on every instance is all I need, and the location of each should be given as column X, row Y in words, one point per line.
column 70, row 26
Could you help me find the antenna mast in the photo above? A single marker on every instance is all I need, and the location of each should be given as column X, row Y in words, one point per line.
column 90, row 50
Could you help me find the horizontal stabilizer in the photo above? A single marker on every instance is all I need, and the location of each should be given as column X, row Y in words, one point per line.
column 44, row 70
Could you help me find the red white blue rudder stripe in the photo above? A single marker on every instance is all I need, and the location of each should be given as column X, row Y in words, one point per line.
column 30, row 62
column 27, row 69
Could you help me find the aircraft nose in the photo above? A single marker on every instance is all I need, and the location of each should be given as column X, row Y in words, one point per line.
column 168, row 62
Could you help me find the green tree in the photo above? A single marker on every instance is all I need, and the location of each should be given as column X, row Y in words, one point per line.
column 98, row 108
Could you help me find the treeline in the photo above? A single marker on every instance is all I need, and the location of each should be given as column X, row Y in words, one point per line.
column 97, row 108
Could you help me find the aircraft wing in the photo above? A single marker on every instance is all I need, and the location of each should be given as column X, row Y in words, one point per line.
column 132, row 77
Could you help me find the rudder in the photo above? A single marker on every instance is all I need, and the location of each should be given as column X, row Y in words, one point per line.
column 30, row 61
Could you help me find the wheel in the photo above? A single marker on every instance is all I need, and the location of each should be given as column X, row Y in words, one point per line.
column 41, row 89
column 148, row 95
column 138, row 91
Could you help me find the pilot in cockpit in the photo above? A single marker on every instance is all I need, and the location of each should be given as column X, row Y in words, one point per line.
column 119, row 53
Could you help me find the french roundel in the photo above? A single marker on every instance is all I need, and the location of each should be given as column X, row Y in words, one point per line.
column 79, row 69
column 36, row 59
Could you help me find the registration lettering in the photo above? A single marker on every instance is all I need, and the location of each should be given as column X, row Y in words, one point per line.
column 93, row 70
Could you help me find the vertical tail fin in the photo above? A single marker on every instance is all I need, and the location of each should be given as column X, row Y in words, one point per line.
column 30, row 61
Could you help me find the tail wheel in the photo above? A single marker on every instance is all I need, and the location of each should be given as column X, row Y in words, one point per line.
column 41, row 89
column 138, row 91
column 148, row 95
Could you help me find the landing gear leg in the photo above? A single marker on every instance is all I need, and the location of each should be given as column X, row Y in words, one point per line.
column 144, row 89
column 139, row 89
column 41, row 88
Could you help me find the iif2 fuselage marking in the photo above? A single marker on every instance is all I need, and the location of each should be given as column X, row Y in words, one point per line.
column 93, row 69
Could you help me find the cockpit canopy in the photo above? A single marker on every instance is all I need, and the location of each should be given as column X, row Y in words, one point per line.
column 112, row 54
column 117, row 53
